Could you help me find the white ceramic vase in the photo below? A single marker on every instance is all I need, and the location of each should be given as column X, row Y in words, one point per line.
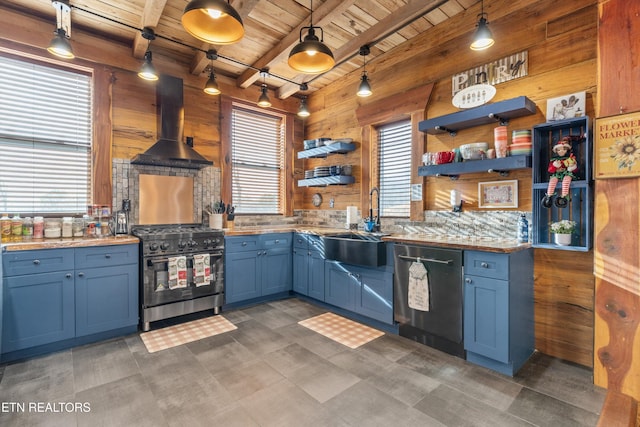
column 562, row 239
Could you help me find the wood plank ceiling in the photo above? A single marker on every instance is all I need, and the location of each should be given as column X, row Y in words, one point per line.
column 272, row 29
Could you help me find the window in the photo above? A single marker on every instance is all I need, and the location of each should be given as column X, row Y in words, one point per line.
column 45, row 138
column 394, row 163
column 257, row 161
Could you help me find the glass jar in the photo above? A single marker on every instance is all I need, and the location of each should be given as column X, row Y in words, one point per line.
column 27, row 228
column 67, row 227
column 52, row 228
column 38, row 227
column 16, row 228
column 78, row 227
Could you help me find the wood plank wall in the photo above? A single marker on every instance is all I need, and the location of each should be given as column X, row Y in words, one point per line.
column 617, row 216
column 560, row 38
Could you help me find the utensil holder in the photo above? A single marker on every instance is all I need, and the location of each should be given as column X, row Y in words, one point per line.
column 215, row 221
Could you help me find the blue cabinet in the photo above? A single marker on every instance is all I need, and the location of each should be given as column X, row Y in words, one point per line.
column 53, row 295
column 308, row 265
column 498, row 309
column 257, row 266
column 366, row 291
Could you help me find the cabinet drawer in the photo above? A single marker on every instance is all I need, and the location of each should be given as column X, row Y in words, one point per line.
column 301, row 240
column 38, row 261
column 106, row 256
column 486, row 264
column 275, row 240
column 240, row 243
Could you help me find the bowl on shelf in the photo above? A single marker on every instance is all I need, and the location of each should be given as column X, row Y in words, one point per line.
column 474, row 151
column 520, row 148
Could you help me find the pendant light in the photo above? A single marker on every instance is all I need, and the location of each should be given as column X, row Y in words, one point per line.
column 60, row 45
column 211, row 88
column 364, row 89
column 482, row 39
column 263, row 100
column 311, row 56
column 213, row 21
column 148, row 71
column 303, row 111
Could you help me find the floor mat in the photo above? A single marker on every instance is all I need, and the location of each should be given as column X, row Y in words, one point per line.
column 345, row 331
column 183, row 333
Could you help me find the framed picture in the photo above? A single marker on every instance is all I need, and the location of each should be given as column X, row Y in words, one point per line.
column 617, row 146
column 566, row 107
column 498, row 194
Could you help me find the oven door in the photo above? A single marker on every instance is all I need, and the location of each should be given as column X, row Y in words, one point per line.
column 168, row 279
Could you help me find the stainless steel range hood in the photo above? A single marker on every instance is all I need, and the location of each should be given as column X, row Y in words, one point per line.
column 170, row 150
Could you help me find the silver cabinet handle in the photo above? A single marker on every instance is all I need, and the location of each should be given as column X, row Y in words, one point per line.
column 467, row 280
column 36, row 261
column 244, row 243
column 68, row 275
column 484, row 265
column 108, row 256
column 80, row 274
column 277, row 241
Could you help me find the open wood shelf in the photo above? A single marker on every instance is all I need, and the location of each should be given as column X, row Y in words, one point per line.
column 502, row 166
column 498, row 112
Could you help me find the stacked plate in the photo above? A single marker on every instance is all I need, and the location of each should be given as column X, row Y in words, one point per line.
column 321, row 171
column 308, row 174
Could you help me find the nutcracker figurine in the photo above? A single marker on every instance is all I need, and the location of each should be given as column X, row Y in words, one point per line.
column 562, row 166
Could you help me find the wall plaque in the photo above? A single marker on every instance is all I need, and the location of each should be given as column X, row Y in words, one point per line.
column 617, row 146
column 503, row 70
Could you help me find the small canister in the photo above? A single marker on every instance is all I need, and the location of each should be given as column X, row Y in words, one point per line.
column 78, row 227
column 38, row 227
column 52, row 228
column 67, row 227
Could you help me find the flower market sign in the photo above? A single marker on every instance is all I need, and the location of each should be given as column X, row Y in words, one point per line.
column 617, row 146
column 503, row 70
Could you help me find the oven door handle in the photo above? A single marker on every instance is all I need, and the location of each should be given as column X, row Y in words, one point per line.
column 166, row 259
column 419, row 259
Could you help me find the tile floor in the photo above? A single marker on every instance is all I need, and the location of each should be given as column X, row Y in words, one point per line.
column 273, row 372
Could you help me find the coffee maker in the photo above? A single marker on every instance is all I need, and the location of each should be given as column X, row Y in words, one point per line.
column 122, row 218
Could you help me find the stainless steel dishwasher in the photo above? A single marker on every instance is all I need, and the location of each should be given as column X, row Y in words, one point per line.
column 440, row 326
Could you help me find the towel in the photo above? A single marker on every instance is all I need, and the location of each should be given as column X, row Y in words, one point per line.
column 201, row 269
column 418, row 297
column 177, row 272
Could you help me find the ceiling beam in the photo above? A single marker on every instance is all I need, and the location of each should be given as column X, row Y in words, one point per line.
column 200, row 61
column 322, row 16
column 150, row 17
column 388, row 25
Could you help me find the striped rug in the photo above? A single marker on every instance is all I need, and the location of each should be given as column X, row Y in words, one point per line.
column 184, row 333
column 346, row 332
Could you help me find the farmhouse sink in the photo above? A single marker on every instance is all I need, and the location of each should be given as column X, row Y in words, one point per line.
column 365, row 249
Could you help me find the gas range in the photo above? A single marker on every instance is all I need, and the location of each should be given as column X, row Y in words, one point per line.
column 178, row 239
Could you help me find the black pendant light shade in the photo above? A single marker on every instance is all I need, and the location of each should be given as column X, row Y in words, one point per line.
column 364, row 89
column 311, row 55
column 213, row 21
column 60, row 45
column 211, row 88
column 264, row 100
column 303, row 111
column 148, row 71
column 482, row 38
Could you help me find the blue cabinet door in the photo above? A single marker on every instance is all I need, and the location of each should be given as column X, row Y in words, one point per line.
column 375, row 295
column 301, row 271
column 315, row 267
column 106, row 298
column 486, row 317
column 38, row 309
column 241, row 276
column 276, row 270
column 340, row 285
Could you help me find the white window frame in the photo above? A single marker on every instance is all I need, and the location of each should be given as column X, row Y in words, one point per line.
column 394, row 168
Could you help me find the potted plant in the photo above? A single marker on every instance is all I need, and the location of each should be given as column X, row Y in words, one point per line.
column 562, row 231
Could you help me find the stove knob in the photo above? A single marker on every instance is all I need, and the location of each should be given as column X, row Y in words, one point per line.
column 164, row 246
column 153, row 247
column 193, row 243
column 182, row 245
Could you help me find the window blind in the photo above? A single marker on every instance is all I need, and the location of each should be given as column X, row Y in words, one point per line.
column 45, row 138
column 394, row 162
column 258, row 161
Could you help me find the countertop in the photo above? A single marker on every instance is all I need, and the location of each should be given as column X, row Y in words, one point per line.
column 68, row 243
column 467, row 243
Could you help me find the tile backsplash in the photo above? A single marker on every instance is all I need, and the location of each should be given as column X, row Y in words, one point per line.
column 492, row 224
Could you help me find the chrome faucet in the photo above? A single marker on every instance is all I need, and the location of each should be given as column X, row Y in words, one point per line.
column 376, row 219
